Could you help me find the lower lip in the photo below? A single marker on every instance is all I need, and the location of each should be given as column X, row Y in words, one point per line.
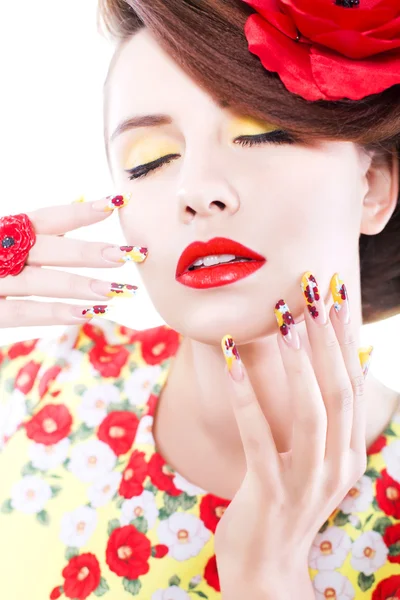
column 218, row 275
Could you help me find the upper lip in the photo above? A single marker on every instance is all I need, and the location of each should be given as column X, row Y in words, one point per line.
column 217, row 245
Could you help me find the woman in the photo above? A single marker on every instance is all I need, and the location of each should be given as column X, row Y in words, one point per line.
column 133, row 462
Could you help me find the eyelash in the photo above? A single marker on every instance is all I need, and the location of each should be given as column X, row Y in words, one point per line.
column 275, row 137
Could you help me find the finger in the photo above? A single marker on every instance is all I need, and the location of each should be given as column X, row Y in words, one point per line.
column 56, row 220
column 67, row 252
column 24, row 313
column 309, row 414
column 36, row 281
column 255, row 432
column 351, row 353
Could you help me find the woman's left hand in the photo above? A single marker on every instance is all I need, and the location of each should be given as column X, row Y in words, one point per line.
column 266, row 532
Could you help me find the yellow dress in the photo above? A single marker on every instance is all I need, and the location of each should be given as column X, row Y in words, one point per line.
column 89, row 508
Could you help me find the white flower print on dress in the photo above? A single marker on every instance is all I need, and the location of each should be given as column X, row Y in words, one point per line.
column 72, row 368
column 11, row 415
column 140, row 383
column 59, row 347
column 391, row 456
column 369, row 552
column 78, row 526
column 92, row 459
column 334, row 585
column 103, row 489
column 140, row 506
column 186, row 486
column 30, row 494
column 184, row 534
column 93, row 407
column 144, row 433
column 359, row 498
column 171, row 593
column 329, row 549
column 48, row 457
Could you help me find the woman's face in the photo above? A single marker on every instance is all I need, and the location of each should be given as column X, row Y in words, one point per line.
column 299, row 207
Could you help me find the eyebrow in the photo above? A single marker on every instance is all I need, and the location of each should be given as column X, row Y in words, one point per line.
column 140, row 121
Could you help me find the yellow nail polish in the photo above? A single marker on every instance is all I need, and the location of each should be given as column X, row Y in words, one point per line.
column 110, row 203
column 340, row 299
column 79, row 200
column 365, row 354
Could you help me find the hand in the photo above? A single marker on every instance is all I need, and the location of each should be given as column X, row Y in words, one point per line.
column 268, row 528
column 52, row 249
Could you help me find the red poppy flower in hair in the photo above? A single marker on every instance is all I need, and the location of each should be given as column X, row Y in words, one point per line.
column 328, row 49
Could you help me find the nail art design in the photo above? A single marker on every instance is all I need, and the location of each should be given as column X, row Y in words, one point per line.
column 315, row 305
column 365, row 358
column 117, row 201
column 78, row 200
column 133, row 253
column 122, row 290
column 95, row 311
column 286, row 324
column 340, row 298
column 230, row 351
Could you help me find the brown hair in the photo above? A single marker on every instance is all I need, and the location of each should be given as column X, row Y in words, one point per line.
column 207, row 40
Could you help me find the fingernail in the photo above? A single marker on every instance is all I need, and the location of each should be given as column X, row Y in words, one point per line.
column 315, row 304
column 113, row 290
column 365, row 358
column 110, row 203
column 286, row 324
column 98, row 310
column 340, row 299
column 232, row 358
column 78, row 200
column 123, row 254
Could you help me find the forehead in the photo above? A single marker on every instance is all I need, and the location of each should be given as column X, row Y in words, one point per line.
column 145, row 79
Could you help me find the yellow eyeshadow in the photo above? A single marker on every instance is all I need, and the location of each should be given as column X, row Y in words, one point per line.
column 148, row 149
column 249, row 126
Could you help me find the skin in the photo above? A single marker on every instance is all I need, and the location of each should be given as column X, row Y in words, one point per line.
column 302, row 208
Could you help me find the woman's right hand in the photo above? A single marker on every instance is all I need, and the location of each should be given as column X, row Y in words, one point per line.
column 53, row 250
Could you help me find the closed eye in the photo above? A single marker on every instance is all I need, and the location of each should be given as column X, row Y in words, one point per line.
column 278, row 136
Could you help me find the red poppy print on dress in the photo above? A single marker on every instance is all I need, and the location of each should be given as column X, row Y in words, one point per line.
column 26, row 377
column 161, row 475
column 157, row 344
column 21, row 348
column 391, row 537
column 377, row 446
column 108, row 360
column 211, row 574
column 133, row 476
column 94, row 333
column 118, row 430
column 388, row 589
column 388, row 495
column 82, row 576
column 47, row 379
column 212, row 509
column 50, row 425
column 128, row 552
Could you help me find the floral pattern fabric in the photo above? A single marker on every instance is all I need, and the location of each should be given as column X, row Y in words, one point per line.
column 89, row 507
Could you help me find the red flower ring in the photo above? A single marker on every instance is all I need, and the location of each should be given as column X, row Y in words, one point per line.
column 17, row 237
column 328, row 49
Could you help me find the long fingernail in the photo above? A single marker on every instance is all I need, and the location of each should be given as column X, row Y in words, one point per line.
column 232, row 358
column 113, row 290
column 110, row 203
column 315, row 303
column 286, row 324
column 340, row 299
column 123, row 254
column 99, row 310
column 365, row 358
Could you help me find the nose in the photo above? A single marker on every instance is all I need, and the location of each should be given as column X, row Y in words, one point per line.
column 204, row 188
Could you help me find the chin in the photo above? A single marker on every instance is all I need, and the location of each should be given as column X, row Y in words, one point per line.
column 209, row 325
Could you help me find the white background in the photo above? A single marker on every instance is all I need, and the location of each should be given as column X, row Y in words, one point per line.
column 53, row 65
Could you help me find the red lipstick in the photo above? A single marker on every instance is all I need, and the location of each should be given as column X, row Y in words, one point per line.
column 220, row 274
